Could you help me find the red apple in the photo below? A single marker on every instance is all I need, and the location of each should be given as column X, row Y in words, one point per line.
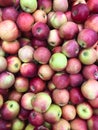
column 24, row 41
column 68, row 15
column 94, row 102
column 93, row 6
column 5, row 3
column 5, row 125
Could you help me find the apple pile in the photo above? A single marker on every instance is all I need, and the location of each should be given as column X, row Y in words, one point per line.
column 48, row 64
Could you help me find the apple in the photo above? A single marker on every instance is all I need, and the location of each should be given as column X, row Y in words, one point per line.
column 90, row 71
column 5, row 125
column 54, row 60
column 10, row 13
column 21, row 84
column 91, row 22
column 7, row 26
column 94, row 102
column 53, row 114
column 36, row 118
column 68, row 112
column 28, row 69
column 24, row 56
column 45, row 72
column 47, row 125
column 79, row 12
column 76, row 79
column 92, row 123
column 93, row 6
column 13, row 64
column 74, row 66
column 70, row 48
column 88, row 56
column 11, row 47
column 76, row 96
column 28, row 6
column 40, row 30
column 45, row 5
column 41, row 102
column 1, row 101
column 84, row 110
column 40, row 16
column 57, row 19
column 41, row 57
column 75, row 2
column 63, row 96
column 25, row 21
column 2, row 52
column 87, row 38
column 3, row 64
column 65, row 32
column 41, row 128
column 24, row 41
column 78, row 124
column 54, row 38
column 7, row 80
column 5, row 3
column 61, row 80
column 26, row 100
column 36, row 84
column 18, row 124
column 68, row 15
column 89, row 89
column 29, row 127
column 10, row 110
column 57, row 6
column 61, row 125
column 57, row 49
column 51, row 86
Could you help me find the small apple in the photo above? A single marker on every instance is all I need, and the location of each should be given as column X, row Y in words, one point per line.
column 3, row 64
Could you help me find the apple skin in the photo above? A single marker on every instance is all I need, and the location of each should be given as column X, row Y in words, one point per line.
column 24, row 41
column 79, row 12
column 24, row 56
column 11, row 47
column 57, row 49
column 87, row 38
column 90, row 71
column 9, row 13
column 54, row 60
column 61, row 125
column 63, row 96
column 91, row 22
column 36, row 118
column 54, row 38
column 3, row 64
column 88, row 56
column 7, row 79
column 76, row 96
column 25, row 25
column 57, row 6
column 13, row 64
column 10, row 110
column 70, row 48
column 69, row 112
column 5, row 3
column 40, row 30
column 94, row 102
column 28, row 69
column 93, row 6
column 1, row 100
column 61, row 80
column 68, row 15
column 74, row 66
column 51, row 86
column 92, row 123
column 78, row 124
column 29, row 127
column 65, row 32
column 21, row 84
column 37, row 85
column 18, row 124
column 41, row 102
column 41, row 57
column 28, row 6
column 88, row 90
column 26, row 100
column 45, row 5
column 53, row 114
column 5, row 125
column 7, row 26
column 2, row 52
column 41, row 127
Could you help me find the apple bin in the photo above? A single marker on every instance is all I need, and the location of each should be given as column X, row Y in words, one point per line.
column 48, row 65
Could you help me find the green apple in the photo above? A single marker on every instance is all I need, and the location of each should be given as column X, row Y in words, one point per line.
column 29, row 127
column 53, row 114
column 28, row 5
column 58, row 61
column 18, row 124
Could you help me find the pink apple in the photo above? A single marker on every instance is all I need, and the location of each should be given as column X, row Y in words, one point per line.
column 11, row 47
column 94, row 102
column 41, row 57
column 40, row 30
column 68, row 112
column 68, row 15
column 60, row 96
column 7, row 26
column 57, row 49
column 37, row 85
column 65, row 32
column 3, row 64
column 93, row 6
